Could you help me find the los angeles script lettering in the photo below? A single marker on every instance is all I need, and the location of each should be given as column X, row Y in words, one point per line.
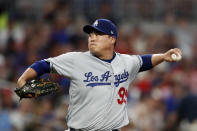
column 95, row 80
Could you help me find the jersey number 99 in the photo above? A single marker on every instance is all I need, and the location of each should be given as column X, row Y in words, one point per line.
column 123, row 96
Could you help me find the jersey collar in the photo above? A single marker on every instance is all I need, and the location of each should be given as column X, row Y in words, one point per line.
column 110, row 60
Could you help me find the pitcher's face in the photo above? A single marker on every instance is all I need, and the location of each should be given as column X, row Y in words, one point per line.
column 99, row 42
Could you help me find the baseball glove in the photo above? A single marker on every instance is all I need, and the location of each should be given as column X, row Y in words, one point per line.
column 36, row 88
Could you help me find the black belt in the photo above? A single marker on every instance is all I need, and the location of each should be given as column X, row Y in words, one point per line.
column 73, row 129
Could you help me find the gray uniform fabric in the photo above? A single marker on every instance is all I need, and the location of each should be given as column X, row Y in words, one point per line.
column 98, row 89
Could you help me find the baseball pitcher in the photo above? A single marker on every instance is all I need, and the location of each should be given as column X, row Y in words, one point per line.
column 99, row 78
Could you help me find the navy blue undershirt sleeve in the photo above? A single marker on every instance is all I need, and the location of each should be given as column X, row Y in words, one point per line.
column 41, row 67
column 147, row 62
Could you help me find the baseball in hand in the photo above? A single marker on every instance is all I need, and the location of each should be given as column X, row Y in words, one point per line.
column 175, row 57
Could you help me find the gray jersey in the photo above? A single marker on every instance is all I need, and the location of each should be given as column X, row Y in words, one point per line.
column 98, row 89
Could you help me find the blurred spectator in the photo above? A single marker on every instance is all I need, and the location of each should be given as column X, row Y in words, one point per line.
column 184, row 36
column 137, row 40
column 7, row 102
column 147, row 114
column 3, row 70
column 187, row 109
column 5, row 122
column 7, row 105
column 59, row 33
column 22, row 117
column 11, row 36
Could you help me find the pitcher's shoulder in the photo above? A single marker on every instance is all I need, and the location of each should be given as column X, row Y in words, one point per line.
column 128, row 56
column 123, row 55
column 79, row 55
column 74, row 53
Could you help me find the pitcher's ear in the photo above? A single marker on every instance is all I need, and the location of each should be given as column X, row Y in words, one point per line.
column 113, row 39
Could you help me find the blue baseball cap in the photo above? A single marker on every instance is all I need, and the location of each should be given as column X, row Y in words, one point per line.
column 103, row 25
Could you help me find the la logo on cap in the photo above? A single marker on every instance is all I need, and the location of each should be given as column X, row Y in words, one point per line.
column 95, row 23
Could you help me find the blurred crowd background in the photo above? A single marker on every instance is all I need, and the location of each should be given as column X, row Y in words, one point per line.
column 162, row 99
